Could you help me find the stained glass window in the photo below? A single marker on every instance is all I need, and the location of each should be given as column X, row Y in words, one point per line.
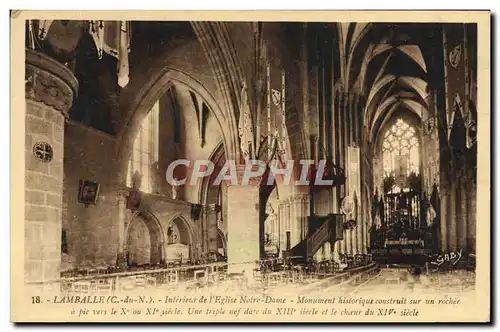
column 400, row 150
column 145, row 150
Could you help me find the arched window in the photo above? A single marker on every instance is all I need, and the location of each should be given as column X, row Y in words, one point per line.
column 145, row 151
column 400, row 148
column 402, row 183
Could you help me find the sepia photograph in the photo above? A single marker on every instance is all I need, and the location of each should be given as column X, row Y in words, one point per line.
column 248, row 168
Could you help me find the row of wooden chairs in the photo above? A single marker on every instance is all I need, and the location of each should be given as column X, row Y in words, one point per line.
column 283, row 277
column 169, row 278
column 353, row 261
column 108, row 285
column 93, row 286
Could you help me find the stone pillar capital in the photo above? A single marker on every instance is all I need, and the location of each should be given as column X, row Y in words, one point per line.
column 122, row 194
column 241, row 170
column 288, row 201
column 214, row 207
column 49, row 82
column 211, row 208
column 301, row 197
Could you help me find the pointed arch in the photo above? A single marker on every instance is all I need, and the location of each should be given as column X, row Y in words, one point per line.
column 415, row 83
column 360, row 30
column 217, row 45
column 158, row 89
column 414, row 53
column 379, row 84
column 385, row 113
column 156, row 234
column 184, row 225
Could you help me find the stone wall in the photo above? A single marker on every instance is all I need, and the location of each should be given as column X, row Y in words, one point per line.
column 43, row 200
column 91, row 231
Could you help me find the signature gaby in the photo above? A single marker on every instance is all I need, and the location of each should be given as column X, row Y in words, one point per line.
column 452, row 257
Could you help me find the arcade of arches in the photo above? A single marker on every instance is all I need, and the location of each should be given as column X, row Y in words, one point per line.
column 372, row 99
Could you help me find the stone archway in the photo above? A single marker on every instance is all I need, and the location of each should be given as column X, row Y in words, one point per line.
column 140, row 108
column 180, row 231
column 144, row 240
column 179, row 239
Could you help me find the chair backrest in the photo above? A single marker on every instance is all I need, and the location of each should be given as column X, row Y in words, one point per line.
column 140, row 280
column 199, row 274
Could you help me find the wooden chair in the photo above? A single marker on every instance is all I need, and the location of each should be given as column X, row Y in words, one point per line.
column 128, row 283
column 105, row 286
column 274, row 278
column 257, row 275
column 83, row 287
column 200, row 274
column 151, row 281
column 172, row 277
column 212, row 278
column 140, row 281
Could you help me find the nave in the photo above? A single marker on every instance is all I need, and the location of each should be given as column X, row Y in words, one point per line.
column 122, row 182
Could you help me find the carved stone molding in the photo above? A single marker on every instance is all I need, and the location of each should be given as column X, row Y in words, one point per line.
column 301, row 198
column 122, row 194
column 49, row 82
column 286, row 202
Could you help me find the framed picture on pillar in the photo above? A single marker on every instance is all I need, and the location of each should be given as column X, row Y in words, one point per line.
column 88, row 192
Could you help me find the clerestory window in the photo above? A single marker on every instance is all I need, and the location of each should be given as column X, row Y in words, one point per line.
column 145, row 151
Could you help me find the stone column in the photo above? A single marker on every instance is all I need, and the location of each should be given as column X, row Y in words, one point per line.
column 203, row 230
column 462, row 216
column 211, row 223
column 280, row 228
column 124, row 216
column 444, row 218
column 243, row 224
column 352, row 240
column 366, row 242
column 294, row 221
column 356, row 233
column 50, row 91
column 452, row 217
column 343, row 242
column 300, row 210
column 471, row 212
column 361, row 224
column 304, row 213
column 287, row 222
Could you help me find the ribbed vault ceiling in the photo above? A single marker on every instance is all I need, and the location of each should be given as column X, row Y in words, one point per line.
column 386, row 63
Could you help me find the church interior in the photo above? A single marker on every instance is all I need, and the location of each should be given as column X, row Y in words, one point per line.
column 390, row 108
